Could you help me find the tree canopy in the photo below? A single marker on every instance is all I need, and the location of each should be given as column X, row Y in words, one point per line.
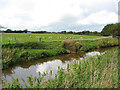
column 111, row 30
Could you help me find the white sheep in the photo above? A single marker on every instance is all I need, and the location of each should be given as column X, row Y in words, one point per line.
column 50, row 37
column 81, row 38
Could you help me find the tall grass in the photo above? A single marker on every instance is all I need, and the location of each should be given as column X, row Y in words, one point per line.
column 94, row 72
column 25, row 52
column 9, row 56
column 89, row 45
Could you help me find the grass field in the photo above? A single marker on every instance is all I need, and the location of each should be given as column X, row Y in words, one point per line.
column 22, row 37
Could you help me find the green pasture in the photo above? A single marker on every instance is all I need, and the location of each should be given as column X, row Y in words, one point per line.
column 23, row 37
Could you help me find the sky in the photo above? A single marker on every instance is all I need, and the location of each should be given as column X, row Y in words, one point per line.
column 58, row 15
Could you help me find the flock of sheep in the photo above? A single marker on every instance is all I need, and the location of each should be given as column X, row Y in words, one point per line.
column 81, row 38
column 37, row 37
column 50, row 38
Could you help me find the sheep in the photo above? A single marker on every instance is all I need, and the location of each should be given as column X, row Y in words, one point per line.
column 50, row 37
column 14, row 38
column 66, row 37
column 30, row 36
column 81, row 38
column 39, row 39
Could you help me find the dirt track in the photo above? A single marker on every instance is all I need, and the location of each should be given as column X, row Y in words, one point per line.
column 96, row 38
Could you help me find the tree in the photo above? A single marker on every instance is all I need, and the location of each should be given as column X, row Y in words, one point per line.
column 8, row 31
column 111, row 30
column 64, row 32
column 70, row 32
column 85, row 32
column 95, row 32
column 25, row 31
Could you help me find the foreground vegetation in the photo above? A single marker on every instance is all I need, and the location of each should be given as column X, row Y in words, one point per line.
column 94, row 72
column 35, row 50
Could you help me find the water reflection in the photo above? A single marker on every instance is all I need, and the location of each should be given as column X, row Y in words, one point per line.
column 92, row 53
column 50, row 65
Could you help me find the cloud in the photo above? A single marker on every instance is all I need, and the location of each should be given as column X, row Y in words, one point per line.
column 93, row 22
column 48, row 14
column 50, row 65
column 102, row 17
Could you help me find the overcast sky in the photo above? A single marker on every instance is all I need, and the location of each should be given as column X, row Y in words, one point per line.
column 58, row 15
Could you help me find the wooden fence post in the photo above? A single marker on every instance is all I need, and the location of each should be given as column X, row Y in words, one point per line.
column 9, row 41
column 39, row 39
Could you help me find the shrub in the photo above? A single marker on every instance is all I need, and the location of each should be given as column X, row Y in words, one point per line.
column 71, row 45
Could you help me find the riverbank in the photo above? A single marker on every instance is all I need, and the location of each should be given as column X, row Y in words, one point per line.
column 99, row 71
column 24, row 52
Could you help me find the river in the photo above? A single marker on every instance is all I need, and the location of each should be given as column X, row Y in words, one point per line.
column 22, row 70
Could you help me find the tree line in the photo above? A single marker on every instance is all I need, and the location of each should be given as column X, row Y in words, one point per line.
column 86, row 32
column 108, row 30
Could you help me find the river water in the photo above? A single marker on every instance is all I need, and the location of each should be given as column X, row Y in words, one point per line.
column 22, row 70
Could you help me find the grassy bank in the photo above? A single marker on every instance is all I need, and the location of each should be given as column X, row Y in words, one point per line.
column 94, row 72
column 88, row 45
column 25, row 52
column 14, row 53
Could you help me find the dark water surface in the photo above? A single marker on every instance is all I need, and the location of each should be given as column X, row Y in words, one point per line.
column 22, row 70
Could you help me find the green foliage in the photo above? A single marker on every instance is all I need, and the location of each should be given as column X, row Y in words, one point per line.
column 29, row 51
column 68, row 67
column 71, row 45
column 111, row 30
column 89, row 45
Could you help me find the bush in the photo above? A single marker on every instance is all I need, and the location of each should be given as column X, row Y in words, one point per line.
column 71, row 45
